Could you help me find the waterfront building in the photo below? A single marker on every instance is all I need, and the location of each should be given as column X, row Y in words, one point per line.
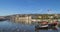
column 23, row 19
column 29, row 18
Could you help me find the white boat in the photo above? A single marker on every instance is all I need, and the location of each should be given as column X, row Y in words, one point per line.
column 41, row 26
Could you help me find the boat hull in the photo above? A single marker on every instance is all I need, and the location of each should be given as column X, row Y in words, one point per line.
column 41, row 27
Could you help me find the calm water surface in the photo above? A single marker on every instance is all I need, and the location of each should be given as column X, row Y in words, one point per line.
column 9, row 26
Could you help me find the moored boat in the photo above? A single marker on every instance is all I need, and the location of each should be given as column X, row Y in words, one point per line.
column 53, row 25
column 42, row 25
column 46, row 25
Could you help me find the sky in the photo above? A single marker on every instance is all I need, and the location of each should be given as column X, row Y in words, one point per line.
column 9, row 7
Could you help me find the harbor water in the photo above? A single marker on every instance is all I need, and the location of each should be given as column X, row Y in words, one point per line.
column 9, row 26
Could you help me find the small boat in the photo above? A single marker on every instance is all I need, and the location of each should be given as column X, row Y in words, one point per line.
column 53, row 25
column 2, row 19
column 42, row 25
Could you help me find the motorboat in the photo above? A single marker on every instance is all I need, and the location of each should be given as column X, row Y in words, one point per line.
column 42, row 25
column 53, row 25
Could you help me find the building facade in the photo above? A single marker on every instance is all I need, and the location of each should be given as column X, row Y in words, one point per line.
column 29, row 18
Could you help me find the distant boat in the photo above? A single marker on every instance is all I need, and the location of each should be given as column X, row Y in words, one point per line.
column 3, row 19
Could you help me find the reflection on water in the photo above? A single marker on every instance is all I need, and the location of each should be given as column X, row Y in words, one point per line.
column 7, row 26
